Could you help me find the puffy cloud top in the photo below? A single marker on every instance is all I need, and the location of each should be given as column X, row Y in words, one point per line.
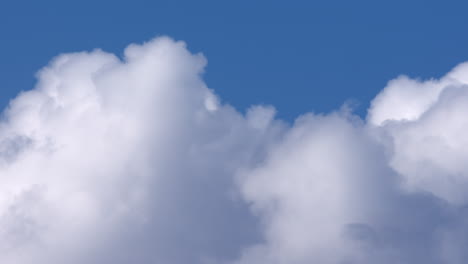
column 135, row 160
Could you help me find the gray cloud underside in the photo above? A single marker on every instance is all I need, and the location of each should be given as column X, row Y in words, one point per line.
column 135, row 160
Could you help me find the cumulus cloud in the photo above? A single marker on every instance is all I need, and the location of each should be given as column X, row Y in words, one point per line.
column 124, row 161
column 429, row 143
column 135, row 160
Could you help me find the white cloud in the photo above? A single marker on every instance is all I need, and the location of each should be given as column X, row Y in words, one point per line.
column 137, row 161
column 114, row 156
column 427, row 123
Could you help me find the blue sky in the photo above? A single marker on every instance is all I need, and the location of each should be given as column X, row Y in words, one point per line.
column 297, row 55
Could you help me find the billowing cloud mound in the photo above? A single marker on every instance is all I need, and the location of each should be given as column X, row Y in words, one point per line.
column 135, row 160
